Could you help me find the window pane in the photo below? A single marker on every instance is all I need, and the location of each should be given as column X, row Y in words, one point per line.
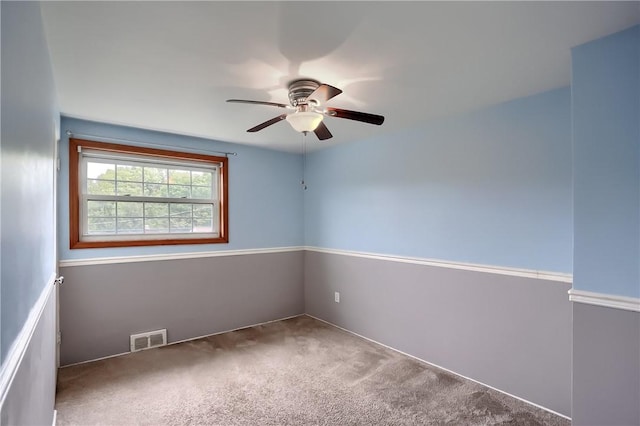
column 155, row 190
column 101, row 171
column 201, row 192
column 179, row 191
column 129, row 188
column 130, row 196
column 129, row 225
column 101, row 187
column 157, row 226
column 155, row 175
column 202, row 211
column 201, row 178
column 156, row 210
column 126, row 209
column 180, row 224
column 180, row 210
column 203, row 225
column 129, row 173
column 101, row 208
column 101, row 225
column 180, row 177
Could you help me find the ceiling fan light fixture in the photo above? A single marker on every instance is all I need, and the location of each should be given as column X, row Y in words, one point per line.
column 304, row 121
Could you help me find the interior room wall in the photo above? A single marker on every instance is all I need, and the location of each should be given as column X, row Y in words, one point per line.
column 606, row 151
column 439, row 240
column 491, row 187
column 101, row 305
column 191, row 290
column 30, row 122
column 265, row 198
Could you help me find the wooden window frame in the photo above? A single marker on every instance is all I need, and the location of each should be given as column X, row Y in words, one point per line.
column 74, row 194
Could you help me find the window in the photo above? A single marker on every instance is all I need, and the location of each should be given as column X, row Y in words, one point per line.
column 130, row 196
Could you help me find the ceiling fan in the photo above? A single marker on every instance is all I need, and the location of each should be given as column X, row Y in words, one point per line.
column 307, row 98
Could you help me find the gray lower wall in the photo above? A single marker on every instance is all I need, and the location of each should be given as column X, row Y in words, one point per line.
column 508, row 332
column 102, row 305
column 31, row 395
column 606, row 366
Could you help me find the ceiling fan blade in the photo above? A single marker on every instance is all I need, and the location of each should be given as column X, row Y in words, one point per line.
column 323, row 93
column 355, row 115
column 322, row 132
column 244, row 101
column 267, row 123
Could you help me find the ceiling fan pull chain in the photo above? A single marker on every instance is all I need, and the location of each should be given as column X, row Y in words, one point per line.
column 304, row 160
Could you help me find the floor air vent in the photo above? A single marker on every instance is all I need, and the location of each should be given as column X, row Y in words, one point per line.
column 151, row 339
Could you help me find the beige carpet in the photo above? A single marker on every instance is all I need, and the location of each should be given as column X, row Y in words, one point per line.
column 294, row 372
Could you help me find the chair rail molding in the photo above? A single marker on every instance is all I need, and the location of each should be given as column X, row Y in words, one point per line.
column 491, row 269
column 607, row 300
column 172, row 256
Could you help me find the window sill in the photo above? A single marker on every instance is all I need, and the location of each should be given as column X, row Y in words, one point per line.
column 139, row 243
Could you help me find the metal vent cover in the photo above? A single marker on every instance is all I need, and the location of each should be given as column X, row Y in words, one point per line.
column 150, row 339
column 139, row 343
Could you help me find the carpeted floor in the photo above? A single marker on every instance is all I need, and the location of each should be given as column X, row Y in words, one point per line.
column 299, row 371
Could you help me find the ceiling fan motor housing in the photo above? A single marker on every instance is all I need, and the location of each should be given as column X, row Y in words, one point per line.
column 299, row 91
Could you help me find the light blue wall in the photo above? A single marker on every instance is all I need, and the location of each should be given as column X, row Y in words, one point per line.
column 265, row 198
column 491, row 186
column 29, row 121
column 606, row 150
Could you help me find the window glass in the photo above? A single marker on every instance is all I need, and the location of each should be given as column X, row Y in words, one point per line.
column 125, row 194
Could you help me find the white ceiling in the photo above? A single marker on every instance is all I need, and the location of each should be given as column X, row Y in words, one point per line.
column 171, row 65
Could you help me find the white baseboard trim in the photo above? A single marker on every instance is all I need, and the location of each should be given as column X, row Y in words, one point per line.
column 606, row 300
column 172, row 256
column 186, row 340
column 21, row 343
column 55, row 417
column 441, row 368
column 516, row 272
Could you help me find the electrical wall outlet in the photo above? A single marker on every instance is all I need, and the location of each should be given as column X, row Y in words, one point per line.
column 337, row 297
